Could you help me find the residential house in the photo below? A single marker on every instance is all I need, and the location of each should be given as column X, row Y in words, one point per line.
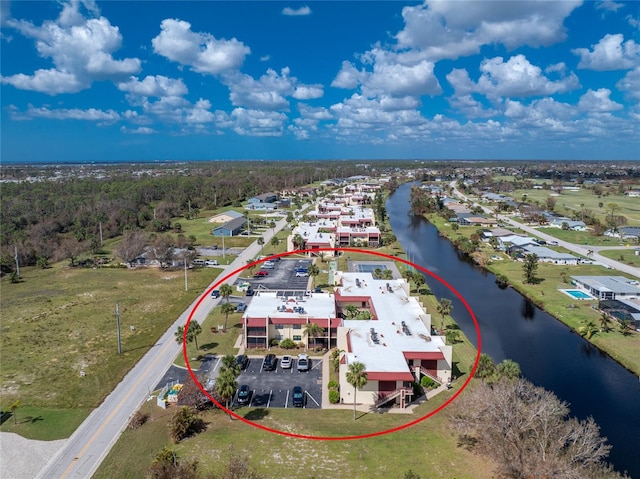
column 608, row 287
column 231, row 228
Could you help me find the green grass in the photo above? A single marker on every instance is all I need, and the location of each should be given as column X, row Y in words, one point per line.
column 437, row 454
column 624, row 256
column 61, row 321
column 569, row 202
column 582, row 237
column 45, row 424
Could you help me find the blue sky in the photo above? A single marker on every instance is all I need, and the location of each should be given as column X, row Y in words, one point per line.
column 86, row 81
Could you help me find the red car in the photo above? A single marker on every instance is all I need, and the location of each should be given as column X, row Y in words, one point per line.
column 261, row 273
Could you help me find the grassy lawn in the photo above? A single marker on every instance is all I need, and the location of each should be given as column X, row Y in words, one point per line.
column 61, row 321
column 569, row 202
column 45, row 424
column 624, row 256
column 435, row 445
column 582, row 237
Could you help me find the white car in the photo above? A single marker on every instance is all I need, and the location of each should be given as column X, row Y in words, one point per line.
column 286, row 362
column 303, row 362
column 301, row 274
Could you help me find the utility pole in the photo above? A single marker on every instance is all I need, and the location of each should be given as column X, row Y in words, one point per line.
column 118, row 325
column 186, row 281
column 101, row 242
column 223, row 255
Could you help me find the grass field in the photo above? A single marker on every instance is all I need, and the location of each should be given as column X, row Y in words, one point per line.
column 570, row 202
column 45, row 424
column 583, row 237
column 625, row 256
column 61, row 321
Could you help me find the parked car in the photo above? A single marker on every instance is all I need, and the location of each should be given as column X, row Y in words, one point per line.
column 261, row 273
column 270, row 362
column 211, row 262
column 242, row 360
column 215, row 293
column 268, row 265
column 303, row 362
column 301, row 274
column 286, row 362
column 249, row 292
column 244, row 394
column 297, row 397
column 241, row 307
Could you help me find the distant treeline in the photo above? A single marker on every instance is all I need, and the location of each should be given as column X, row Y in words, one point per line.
column 62, row 212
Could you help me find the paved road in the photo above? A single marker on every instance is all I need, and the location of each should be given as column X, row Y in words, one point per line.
column 587, row 251
column 91, row 442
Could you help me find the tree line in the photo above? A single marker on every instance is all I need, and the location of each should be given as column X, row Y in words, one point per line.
column 63, row 217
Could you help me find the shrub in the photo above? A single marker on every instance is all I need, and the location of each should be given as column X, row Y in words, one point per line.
column 138, row 419
column 287, row 344
column 334, row 396
column 427, row 382
column 273, row 342
column 417, row 389
column 333, row 384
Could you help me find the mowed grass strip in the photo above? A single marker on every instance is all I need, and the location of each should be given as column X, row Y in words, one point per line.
column 429, row 447
column 61, row 321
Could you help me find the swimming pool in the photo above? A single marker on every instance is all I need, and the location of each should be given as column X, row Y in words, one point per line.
column 577, row 294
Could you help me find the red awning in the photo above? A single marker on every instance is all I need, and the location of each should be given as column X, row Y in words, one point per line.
column 256, row 322
column 385, row 376
column 423, row 355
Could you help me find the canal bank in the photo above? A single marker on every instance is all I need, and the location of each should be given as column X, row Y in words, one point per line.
column 549, row 353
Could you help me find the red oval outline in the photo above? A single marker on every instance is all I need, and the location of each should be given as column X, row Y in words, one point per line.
column 335, row 438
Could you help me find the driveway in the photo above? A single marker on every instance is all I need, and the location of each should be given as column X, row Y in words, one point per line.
column 283, row 276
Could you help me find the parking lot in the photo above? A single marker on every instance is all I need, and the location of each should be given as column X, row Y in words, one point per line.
column 283, row 276
column 273, row 388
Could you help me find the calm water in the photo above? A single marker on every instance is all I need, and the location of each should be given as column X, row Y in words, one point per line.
column 549, row 354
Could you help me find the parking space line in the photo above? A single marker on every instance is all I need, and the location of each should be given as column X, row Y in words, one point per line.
column 286, row 402
column 262, row 365
column 318, row 363
column 312, row 398
column 253, row 393
column 269, row 401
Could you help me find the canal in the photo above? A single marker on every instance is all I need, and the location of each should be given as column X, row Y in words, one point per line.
column 550, row 354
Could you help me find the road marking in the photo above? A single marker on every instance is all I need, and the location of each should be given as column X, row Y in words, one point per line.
column 114, row 411
column 253, row 393
column 286, row 402
column 269, row 401
column 307, row 392
column 318, row 363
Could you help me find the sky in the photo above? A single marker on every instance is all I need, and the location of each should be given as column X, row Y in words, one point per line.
column 91, row 81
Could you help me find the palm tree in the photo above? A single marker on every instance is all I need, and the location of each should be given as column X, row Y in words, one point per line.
column 15, row 405
column 275, row 242
column 230, row 364
column 313, row 271
column 605, row 321
column 225, row 291
column 192, row 333
column 226, row 309
column 444, row 308
column 508, row 369
column 313, row 330
column 588, row 329
column 486, row 368
column 272, row 225
column 226, row 386
column 261, row 243
column 351, row 310
column 298, row 241
column 625, row 327
column 357, row 377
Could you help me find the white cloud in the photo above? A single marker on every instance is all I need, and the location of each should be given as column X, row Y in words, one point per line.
column 609, row 6
column 348, row 76
column 519, row 78
column 296, row 11
column 249, row 122
column 441, row 30
column 610, row 54
column 315, row 113
column 81, row 50
column 202, row 52
column 142, row 130
column 265, row 58
column 470, row 107
column 90, row 114
column 155, row 86
column 630, row 84
column 269, row 92
column 598, row 101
